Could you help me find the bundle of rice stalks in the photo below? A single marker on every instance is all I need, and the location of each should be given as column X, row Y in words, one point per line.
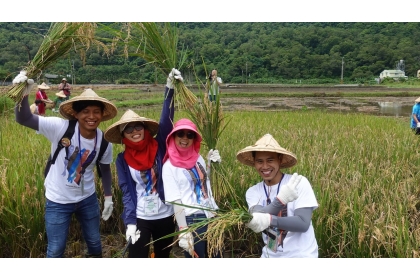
column 209, row 118
column 225, row 221
column 157, row 43
column 59, row 40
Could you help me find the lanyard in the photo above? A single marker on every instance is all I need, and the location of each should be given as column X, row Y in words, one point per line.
column 149, row 182
column 197, row 184
column 91, row 157
column 268, row 194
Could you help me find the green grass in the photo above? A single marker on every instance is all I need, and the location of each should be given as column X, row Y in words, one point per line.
column 363, row 170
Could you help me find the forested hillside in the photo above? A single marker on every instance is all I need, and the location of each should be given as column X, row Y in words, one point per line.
column 242, row 52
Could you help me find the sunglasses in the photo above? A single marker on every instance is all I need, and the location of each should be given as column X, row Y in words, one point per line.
column 181, row 134
column 130, row 129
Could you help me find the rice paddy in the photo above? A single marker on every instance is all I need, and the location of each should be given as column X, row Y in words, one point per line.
column 364, row 171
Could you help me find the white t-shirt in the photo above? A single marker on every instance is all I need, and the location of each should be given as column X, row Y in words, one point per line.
column 214, row 86
column 63, row 183
column 149, row 205
column 296, row 244
column 178, row 184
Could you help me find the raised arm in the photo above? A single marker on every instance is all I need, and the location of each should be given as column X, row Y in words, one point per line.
column 23, row 113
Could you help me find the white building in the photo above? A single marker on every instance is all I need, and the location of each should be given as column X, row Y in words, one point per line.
column 396, row 74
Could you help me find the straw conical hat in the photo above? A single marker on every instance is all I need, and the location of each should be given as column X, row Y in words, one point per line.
column 43, row 86
column 417, row 100
column 67, row 111
column 60, row 94
column 266, row 144
column 113, row 133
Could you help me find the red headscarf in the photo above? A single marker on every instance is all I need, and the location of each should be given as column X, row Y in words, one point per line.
column 141, row 155
column 183, row 157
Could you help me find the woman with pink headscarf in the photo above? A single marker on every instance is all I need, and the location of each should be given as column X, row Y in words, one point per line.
column 187, row 185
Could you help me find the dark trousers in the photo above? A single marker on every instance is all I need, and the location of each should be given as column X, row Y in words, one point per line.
column 153, row 229
column 200, row 245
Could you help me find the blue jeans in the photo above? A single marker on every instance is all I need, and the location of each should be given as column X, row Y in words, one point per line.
column 57, row 223
column 200, row 245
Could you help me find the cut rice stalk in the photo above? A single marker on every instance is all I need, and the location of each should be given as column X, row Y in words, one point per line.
column 59, row 40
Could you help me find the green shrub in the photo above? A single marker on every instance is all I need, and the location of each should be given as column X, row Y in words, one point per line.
column 123, row 81
column 6, row 105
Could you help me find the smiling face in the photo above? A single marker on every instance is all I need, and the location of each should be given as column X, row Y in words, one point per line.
column 268, row 166
column 184, row 138
column 89, row 119
column 134, row 131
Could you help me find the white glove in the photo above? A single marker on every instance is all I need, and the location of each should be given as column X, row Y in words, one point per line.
column 108, row 207
column 289, row 192
column 259, row 222
column 186, row 242
column 174, row 75
column 131, row 232
column 213, row 156
column 21, row 78
column 418, row 124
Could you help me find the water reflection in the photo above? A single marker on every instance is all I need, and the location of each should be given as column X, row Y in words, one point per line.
column 394, row 109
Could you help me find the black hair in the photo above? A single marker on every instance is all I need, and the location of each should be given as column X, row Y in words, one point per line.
column 78, row 106
column 254, row 152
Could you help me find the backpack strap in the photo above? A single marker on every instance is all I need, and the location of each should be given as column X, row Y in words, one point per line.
column 68, row 134
column 102, row 149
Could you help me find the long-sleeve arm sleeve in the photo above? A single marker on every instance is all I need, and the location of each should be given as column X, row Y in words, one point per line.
column 106, row 178
column 300, row 222
column 24, row 116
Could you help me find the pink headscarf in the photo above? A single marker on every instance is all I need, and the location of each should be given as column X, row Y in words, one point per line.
column 183, row 157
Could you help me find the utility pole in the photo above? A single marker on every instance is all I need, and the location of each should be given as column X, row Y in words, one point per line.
column 73, row 78
column 246, row 72
column 342, row 69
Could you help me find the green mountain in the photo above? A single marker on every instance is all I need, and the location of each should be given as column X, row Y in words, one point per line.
column 260, row 52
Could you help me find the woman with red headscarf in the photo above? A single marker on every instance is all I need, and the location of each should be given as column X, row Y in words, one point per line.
column 187, row 185
column 139, row 170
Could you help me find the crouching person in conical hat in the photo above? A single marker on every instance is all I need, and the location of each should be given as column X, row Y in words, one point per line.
column 139, row 169
column 70, row 181
column 281, row 204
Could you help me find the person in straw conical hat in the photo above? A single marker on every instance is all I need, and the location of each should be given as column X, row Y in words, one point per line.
column 139, row 170
column 65, row 87
column 281, row 204
column 60, row 98
column 415, row 117
column 41, row 98
column 70, row 182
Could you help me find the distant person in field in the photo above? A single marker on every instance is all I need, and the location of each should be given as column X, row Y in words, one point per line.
column 70, row 184
column 415, row 117
column 60, row 97
column 214, row 85
column 281, row 204
column 41, row 99
column 65, row 87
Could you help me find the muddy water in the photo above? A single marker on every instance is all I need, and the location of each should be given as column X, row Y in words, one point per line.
column 387, row 106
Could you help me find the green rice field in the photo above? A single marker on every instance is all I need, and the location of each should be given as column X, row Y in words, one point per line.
column 364, row 170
